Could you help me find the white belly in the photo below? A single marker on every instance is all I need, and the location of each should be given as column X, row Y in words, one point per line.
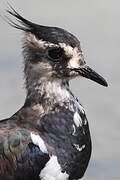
column 52, row 171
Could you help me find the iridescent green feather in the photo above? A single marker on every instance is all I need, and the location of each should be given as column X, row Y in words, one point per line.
column 12, row 148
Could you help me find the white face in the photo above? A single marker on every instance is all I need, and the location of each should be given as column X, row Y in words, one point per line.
column 53, row 60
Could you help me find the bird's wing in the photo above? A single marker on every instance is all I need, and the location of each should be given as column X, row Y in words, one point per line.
column 20, row 154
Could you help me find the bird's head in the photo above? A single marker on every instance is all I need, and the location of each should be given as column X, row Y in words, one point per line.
column 52, row 52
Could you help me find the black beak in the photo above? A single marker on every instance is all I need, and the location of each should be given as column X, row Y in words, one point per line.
column 87, row 72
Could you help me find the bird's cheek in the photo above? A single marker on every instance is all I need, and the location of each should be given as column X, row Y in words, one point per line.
column 41, row 69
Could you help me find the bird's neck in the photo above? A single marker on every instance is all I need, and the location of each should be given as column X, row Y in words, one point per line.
column 51, row 91
column 44, row 97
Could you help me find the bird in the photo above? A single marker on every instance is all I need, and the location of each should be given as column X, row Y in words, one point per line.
column 48, row 138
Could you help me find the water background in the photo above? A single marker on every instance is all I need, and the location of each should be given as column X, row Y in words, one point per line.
column 97, row 24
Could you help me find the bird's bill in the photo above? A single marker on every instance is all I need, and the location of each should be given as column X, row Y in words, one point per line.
column 87, row 72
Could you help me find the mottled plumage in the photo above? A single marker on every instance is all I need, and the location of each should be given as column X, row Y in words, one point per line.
column 48, row 138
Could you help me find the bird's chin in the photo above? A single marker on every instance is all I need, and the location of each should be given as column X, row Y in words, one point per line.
column 89, row 73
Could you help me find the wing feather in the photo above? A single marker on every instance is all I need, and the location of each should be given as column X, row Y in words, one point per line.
column 20, row 158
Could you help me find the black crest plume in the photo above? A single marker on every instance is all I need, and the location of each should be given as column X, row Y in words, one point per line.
column 51, row 34
column 24, row 24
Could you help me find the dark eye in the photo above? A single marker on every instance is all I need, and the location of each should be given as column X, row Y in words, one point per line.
column 55, row 53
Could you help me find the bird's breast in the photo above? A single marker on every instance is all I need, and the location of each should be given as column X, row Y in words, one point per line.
column 66, row 135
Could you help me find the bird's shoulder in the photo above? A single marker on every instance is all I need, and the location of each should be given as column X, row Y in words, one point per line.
column 20, row 154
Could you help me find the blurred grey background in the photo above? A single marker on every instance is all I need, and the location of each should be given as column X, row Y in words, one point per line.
column 97, row 24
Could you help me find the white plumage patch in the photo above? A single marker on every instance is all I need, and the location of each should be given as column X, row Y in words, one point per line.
column 37, row 140
column 81, row 108
column 77, row 119
column 52, row 171
column 74, row 130
column 77, row 104
column 78, row 147
column 39, row 43
column 68, row 49
column 74, row 54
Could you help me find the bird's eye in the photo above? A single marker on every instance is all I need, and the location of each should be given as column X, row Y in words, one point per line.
column 55, row 53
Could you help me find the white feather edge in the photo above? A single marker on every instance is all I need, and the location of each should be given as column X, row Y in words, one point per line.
column 37, row 140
